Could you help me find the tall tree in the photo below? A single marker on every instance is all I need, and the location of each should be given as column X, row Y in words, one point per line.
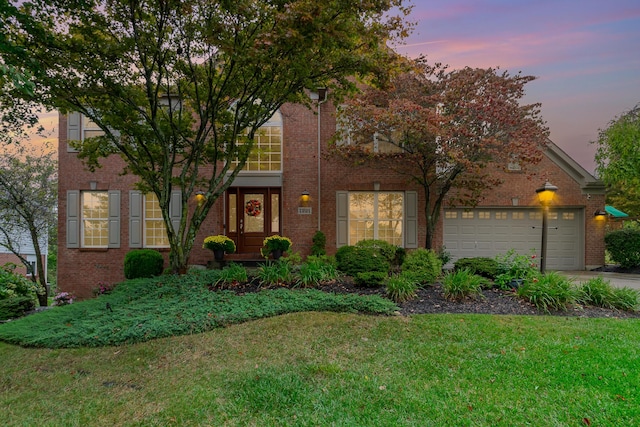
column 28, row 203
column 618, row 160
column 443, row 128
column 180, row 88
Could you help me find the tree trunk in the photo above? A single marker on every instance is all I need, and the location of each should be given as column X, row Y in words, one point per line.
column 43, row 294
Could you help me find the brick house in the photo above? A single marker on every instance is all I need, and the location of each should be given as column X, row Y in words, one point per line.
column 101, row 217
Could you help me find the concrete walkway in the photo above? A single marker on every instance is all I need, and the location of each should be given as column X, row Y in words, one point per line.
column 616, row 279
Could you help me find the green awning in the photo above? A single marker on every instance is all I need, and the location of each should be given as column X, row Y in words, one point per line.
column 615, row 212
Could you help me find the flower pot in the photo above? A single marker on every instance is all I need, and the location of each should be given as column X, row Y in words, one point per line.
column 276, row 253
column 218, row 254
column 516, row 283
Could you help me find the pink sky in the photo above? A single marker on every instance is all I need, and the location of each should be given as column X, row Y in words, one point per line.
column 585, row 53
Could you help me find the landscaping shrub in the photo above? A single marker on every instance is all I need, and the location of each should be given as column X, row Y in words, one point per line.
column 275, row 273
column 598, row 292
column 352, row 260
column 626, row 299
column 550, row 291
column 319, row 242
column 142, row 263
column 14, row 285
column 317, row 269
column 232, row 275
column 401, row 254
column 370, row 279
column 385, row 249
column 515, row 267
column 444, row 255
column 400, row 288
column 485, row 267
column 624, row 247
column 462, row 284
column 422, row 266
column 16, row 306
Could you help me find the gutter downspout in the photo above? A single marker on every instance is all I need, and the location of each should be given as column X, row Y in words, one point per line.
column 322, row 98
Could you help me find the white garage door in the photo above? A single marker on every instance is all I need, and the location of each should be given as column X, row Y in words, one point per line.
column 489, row 232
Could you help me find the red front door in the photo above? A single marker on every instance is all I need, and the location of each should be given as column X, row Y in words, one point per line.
column 252, row 215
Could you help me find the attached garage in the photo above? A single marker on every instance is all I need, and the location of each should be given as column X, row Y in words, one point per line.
column 487, row 232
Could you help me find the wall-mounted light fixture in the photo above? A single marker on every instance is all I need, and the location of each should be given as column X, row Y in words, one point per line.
column 545, row 196
column 305, row 197
column 600, row 214
column 200, row 197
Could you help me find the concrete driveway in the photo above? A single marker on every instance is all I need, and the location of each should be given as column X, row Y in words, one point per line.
column 616, row 279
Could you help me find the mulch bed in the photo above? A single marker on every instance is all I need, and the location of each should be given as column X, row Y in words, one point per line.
column 431, row 300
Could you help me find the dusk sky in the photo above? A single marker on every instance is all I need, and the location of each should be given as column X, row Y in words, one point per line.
column 585, row 53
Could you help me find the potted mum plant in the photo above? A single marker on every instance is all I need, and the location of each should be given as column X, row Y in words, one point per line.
column 276, row 245
column 220, row 245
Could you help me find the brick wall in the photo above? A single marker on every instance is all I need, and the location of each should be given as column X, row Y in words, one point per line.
column 80, row 270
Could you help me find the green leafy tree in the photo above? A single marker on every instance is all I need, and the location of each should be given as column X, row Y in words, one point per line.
column 180, row 88
column 618, row 160
column 28, row 201
column 443, row 129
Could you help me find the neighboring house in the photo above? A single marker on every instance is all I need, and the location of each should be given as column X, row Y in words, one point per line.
column 101, row 217
column 24, row 246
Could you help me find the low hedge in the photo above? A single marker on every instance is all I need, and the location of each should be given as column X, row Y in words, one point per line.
column 624, row 247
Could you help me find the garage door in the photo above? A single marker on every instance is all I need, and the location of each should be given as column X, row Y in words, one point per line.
column 490, row 232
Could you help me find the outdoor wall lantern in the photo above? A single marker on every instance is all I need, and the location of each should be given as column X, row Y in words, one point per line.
column 600, row 214
column 305, row 197
column 200, row 197
column 545, row 196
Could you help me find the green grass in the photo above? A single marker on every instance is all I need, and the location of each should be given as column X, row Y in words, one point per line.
column 310, row 369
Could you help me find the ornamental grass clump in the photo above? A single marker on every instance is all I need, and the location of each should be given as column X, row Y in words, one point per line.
column 462, row 284
column 551, row 291
column 232, row 275
column 317, row 270
column 219, row 243
column 401, row 288
column 275, row 273
column 597, row 292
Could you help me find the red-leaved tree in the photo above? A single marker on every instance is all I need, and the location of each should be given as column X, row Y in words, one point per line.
column 443, row 128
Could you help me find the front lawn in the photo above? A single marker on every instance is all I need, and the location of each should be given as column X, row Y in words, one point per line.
column 340, row 369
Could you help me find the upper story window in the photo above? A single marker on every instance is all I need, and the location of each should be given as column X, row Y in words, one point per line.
column 89, row 128
column 79, row 128
column 266, row 155
column 377, row 143
column 514, row 164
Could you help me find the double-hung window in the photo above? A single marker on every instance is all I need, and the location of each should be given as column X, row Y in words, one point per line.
column 93, row 219
column 146, row 225
column 384, row 215
column 155, row 232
